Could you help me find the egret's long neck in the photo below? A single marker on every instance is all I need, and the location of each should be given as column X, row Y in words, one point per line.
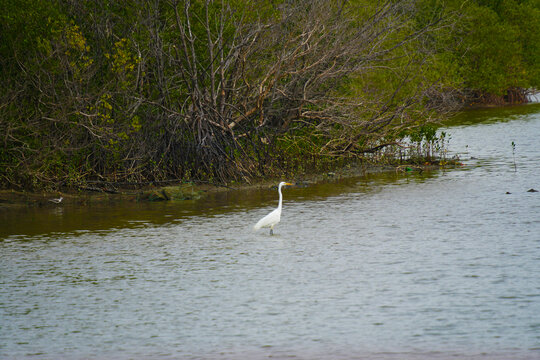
column 280, row 198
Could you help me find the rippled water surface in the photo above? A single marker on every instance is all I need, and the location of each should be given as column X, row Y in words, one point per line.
column 390, row 266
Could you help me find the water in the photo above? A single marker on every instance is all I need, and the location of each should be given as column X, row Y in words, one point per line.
column 436, row 265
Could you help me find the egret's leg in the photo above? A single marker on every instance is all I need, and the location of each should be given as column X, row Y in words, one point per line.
column 271, row 231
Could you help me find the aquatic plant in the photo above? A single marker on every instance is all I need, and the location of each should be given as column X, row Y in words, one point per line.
column 514, row 155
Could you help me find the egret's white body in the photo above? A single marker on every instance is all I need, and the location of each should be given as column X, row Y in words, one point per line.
column 274, row 217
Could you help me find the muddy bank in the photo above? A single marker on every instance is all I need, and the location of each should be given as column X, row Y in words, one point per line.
column 181, row 190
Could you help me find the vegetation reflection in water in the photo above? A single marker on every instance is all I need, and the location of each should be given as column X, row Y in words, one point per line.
column 67, row 218
column 487, row 115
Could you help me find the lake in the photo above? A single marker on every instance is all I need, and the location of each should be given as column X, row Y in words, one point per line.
column 433, row 265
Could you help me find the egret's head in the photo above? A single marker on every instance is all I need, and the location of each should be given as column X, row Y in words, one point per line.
column 283, row 183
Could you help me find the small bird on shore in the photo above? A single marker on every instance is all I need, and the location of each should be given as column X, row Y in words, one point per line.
column 57, row 201
column 274, row 217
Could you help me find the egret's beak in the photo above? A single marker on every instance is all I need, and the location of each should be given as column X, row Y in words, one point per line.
column 289, row 184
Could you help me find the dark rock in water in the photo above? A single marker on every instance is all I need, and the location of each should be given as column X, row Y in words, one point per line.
column 532, row 190
column 508, row 192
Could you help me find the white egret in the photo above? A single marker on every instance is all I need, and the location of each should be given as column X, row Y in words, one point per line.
column 57, row 201
column 273, row 218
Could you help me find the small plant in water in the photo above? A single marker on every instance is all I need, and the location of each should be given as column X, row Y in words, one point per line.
column 426, row 145
column 514, row 155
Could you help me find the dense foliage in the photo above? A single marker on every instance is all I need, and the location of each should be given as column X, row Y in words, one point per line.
column 144, row 91
column 497, row 59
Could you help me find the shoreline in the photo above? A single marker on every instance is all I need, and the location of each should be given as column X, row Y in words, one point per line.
column 180, row 191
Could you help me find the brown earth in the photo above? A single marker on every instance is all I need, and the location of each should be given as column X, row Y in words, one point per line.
column 10, row 199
